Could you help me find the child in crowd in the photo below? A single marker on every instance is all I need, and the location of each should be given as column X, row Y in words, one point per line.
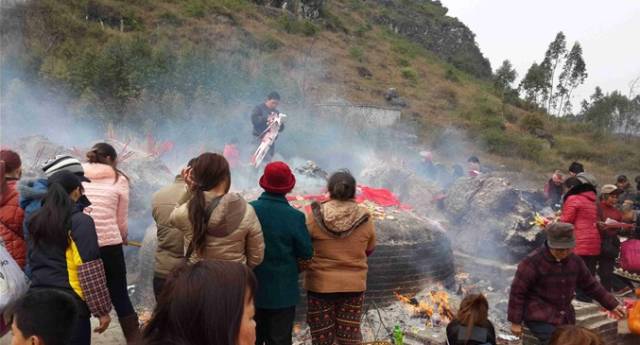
column 471, row 325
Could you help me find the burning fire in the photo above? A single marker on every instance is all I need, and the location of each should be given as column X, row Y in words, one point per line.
column 436, row 307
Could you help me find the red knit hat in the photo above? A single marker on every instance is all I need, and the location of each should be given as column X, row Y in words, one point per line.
column 277, row 178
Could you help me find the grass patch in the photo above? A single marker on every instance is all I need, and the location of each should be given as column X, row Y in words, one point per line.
column 270, row 43
column 294, row 26
column 362, row 30
column 169, row 18
column 402, row 62
column 357, row 53
column 531, row 123
column 409, row 74
column 512, row 144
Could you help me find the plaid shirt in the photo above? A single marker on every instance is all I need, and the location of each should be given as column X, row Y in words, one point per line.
column 543, row 288
column 94, row 287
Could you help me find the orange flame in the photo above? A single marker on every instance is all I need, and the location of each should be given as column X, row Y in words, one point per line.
column 438, row 301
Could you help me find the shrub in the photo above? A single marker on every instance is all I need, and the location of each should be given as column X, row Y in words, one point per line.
column 270, row 43
column 451, row 75
column 357, row 53
column 402, row 62
column 169, row 18
column 531, row 123
column 195, row 9
column 409, row 74
column 291, row 25
column 575, row 148
column 361, row 30
column 512, row 145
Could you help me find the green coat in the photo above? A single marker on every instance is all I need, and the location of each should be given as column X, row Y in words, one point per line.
column 286, row 240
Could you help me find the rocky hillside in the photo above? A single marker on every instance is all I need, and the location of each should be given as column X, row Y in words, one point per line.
column 150, row 64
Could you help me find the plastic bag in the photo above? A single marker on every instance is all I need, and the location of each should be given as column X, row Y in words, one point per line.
column 13, row 282
column 630, row 256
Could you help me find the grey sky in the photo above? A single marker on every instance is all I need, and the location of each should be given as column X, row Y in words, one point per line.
column 519, row 30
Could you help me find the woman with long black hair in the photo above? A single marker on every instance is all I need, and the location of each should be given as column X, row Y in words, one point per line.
column 109, row 195
column 65, row 253
column 217, row 224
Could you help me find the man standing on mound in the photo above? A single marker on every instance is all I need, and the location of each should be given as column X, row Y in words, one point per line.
column 260, row 120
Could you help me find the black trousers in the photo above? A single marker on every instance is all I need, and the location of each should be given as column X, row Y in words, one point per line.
column 274, row 326
column 158, row 284
column 609, row 280
column 116, row 272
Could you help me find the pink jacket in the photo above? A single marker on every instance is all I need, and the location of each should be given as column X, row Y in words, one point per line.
column 109, row 203
column 581, row 211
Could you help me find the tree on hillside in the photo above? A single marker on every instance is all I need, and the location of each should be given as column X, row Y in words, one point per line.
column 573, row 75
column 552, row 58
column 535, row 85
column 502, row 80
column 613, row 112
column 504, row 77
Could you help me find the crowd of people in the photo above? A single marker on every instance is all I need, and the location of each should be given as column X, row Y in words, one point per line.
column 227, row 270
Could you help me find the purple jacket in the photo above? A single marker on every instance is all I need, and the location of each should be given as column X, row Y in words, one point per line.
column 543, row 288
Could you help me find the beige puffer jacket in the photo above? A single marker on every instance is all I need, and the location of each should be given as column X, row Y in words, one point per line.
column 233, row 231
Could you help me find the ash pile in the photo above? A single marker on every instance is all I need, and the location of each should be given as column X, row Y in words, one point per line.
column 491, row 218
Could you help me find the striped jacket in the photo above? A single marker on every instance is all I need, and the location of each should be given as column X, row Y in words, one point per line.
column 77, row 268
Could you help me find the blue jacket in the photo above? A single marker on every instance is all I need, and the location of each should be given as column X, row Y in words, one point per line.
column 286, row 241
column 32, row 192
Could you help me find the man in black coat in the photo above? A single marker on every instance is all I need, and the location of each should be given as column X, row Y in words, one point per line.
column 260, row 116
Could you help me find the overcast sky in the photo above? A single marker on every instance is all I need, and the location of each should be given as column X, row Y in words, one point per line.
column 521, row 30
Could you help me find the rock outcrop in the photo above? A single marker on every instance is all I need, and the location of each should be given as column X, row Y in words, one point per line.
column 308, row 9
column 490, row 218
column 426, row 23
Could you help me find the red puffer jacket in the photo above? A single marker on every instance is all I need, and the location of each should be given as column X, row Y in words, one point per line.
column 11, row 216
column 581, row 211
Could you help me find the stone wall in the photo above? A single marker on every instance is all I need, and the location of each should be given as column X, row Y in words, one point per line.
column 360, row 115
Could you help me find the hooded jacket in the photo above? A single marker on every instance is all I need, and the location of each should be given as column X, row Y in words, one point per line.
column 32, row 192
column 109, row 203
column 78, row 268
column 580, row 209
column 11, row 218
column 342, row 234
column 233, row 231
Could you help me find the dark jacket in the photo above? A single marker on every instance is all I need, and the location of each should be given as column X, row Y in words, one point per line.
column 259, row 117
column 286, row 240
column 11, row 217
column 543, row 288
column 78, row 268
column 31, row 194
column 553, row 193
column 457, row 334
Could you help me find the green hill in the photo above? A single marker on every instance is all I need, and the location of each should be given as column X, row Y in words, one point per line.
column 121, row 61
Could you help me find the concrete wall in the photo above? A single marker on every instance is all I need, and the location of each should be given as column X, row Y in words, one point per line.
column 360, row 115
